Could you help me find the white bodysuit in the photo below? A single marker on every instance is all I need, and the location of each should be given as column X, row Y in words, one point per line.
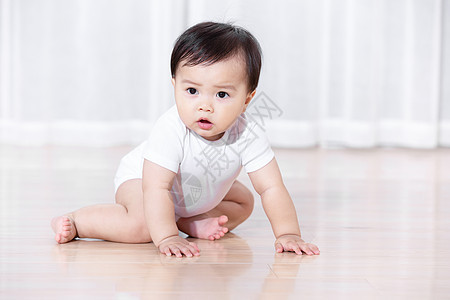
column 205, row 170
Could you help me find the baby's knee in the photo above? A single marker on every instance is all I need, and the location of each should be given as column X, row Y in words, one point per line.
column 247, row 201
column 247, row 204
column 247, row 195
column 250, row 198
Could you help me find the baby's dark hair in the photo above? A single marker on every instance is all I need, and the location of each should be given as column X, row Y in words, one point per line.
column 210, row 42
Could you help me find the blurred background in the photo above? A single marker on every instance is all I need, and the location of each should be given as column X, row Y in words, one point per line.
column 343, row 73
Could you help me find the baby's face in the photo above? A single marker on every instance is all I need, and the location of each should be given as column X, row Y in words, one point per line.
column 210, row 98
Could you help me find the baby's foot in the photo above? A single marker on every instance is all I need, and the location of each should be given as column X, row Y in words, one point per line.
column 64, row 228
column 208, row 228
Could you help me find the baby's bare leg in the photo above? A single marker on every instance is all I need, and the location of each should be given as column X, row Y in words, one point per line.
column 234, row 209
column 120, row 222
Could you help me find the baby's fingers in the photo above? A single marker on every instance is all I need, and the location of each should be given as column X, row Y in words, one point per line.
column 298, row 248
column 294, row 247
column 305, row 249
column 289, row 246
column 310, row 249
column 169, row 250
column 190, row 250
column 314, row 249
column 175, row 250
column 180, row 250
column 166, row 251
column 194, row 248
column 279, row 248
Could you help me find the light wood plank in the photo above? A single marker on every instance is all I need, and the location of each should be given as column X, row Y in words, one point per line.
column 380, row 218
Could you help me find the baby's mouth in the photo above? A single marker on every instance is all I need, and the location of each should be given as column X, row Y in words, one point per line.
column 204, row 124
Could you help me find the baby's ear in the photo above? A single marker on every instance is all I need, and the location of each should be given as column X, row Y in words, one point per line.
column 248, row 99
column 173, row 81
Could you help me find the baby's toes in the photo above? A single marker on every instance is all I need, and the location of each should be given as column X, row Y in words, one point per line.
column 219, row 234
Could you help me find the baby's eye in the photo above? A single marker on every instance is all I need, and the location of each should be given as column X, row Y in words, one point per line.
column 222, row 95
column 192, row 91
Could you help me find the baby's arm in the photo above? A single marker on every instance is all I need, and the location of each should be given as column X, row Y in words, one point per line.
column 280, row 210
column 160, row 212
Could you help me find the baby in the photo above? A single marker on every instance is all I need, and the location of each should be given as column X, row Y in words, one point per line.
column 184, row 176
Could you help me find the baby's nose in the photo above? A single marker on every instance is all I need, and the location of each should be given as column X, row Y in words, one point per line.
column 205, row 106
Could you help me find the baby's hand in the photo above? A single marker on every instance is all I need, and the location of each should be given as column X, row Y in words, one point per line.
column 178, row 246
column 293, row 243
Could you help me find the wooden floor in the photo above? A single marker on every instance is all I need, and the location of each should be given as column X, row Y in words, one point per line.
column 380, row 217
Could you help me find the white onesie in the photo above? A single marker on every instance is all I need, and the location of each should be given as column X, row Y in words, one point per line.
column 205, row 170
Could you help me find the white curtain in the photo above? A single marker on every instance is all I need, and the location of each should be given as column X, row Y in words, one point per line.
column 352, row 73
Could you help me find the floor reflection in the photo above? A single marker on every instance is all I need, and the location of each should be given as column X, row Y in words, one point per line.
column 142, row 269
